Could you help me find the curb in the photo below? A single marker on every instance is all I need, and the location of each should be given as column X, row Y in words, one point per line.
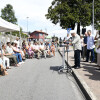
column 82, row 84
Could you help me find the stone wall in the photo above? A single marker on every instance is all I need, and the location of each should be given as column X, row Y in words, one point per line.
column 4, row 38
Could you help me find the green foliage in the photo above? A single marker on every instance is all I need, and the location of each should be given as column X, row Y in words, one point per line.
column 97, row 14
column 8, row 14
column 69, row 12
column 20, row 33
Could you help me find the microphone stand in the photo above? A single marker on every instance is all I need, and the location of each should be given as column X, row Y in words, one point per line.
column 65, row 67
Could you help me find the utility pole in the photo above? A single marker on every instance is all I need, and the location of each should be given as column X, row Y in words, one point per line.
column 93, row 19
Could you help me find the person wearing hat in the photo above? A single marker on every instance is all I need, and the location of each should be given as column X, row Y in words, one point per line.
column 76, row 42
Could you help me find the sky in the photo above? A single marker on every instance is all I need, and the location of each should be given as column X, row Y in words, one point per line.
column 35, row 10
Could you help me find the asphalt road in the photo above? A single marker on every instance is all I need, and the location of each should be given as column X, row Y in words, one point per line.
column 39, row 80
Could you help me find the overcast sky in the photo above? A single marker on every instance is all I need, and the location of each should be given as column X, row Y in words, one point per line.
column 35, row 10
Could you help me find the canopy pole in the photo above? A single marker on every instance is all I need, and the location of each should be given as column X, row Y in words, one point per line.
column 20, row 38
column 10, row 36
column 1, row 49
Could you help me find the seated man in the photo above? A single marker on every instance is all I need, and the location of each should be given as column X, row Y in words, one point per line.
column 36, row 49
column 42, row 49
column 18, row 55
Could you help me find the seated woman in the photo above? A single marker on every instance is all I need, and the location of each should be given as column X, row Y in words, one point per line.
column 19, row 51
column 53, row 49
column 2, row 69
column 47, row 48
column 5, row 60
column 30, row 50
column 24, row 46
column 9, row 55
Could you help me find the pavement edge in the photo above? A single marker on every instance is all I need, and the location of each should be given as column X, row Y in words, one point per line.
column 82, row 84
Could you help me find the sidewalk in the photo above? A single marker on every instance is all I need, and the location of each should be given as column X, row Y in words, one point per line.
column 88, row 73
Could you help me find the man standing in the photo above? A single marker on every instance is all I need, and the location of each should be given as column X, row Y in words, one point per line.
column 77, row 48
column 90, row 46
column 18, row 43
column 85, row 45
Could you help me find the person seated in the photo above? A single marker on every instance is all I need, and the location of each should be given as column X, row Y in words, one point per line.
column 5, row 60
column 9, row 55
column 2, row 69
column 33, row 45
column 47, row 48
column 19, row 57
column 30, row 50
column 42, row 49
column 36, row 50
column 10, row 51
column 19, row 51
column 53, row 49
column 24, row 47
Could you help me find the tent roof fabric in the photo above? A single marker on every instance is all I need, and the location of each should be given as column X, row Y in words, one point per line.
column 7, row 26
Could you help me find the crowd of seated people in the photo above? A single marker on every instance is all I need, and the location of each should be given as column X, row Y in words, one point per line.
column 12, row 54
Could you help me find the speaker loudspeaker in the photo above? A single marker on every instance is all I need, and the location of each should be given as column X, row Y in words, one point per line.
column 83, row 30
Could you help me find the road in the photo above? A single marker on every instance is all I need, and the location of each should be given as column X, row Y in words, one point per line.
column 39, row 80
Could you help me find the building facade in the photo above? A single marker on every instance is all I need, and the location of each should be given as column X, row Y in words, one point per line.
column 38, row 36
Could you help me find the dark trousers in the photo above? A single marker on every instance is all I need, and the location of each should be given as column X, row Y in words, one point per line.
column 77, row 58
column 92, row 55
column 84, row 52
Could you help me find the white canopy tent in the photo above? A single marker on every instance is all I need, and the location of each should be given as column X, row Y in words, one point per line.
column 7, row 26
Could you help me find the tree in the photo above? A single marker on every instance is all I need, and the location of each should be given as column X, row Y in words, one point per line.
column 8, row 14
column 20, row 34
column 97, row 14
column 69, row 12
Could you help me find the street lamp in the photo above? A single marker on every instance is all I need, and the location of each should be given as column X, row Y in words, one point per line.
column 93, row 19
column 27, row 24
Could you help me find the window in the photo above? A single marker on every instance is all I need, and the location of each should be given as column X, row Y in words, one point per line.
column 41, row 34
column 36, row 34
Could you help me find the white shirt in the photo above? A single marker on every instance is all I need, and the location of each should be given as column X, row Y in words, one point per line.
column 36, row 47
column 42, row 46
column 33, row 46
column 82, row 42
column 76, row 42
column 9, row 49
column 17, row 43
